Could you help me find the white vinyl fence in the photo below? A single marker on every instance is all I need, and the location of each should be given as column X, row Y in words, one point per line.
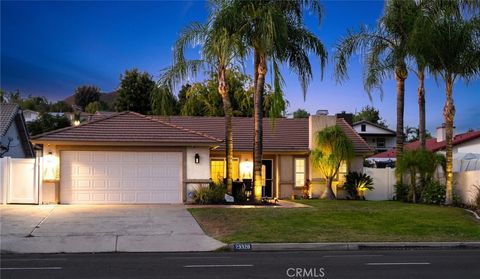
column 20, row 180
column 383, row 182
column 464, row 186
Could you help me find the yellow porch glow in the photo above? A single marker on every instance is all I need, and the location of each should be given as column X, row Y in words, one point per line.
column 246, row 170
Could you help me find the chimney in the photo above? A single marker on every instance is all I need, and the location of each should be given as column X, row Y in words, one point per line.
column 346, row 116
column 317, row 123
column 322, row 112
column 442, row 133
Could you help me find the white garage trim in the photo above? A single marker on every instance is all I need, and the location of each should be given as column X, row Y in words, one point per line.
column 121, row 177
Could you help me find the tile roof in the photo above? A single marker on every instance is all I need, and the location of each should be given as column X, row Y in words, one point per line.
column 286, row 134
column 128, row 127
column 7, row 115
column 431, row 144
column 361, row 147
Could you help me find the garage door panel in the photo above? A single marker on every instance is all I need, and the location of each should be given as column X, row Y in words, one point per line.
column 120, row 177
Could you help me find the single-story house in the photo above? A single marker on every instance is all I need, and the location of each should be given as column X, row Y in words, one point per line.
column 131, row 158
column 30, row 115
column 378, row 137
column 14, row 139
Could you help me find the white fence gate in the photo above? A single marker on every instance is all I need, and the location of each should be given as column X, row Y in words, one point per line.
column 20, row 180
column 383, row 182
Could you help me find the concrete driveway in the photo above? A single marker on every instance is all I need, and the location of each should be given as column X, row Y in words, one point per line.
column 101, row 228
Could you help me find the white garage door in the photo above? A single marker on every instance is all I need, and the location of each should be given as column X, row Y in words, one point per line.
column 110, row 177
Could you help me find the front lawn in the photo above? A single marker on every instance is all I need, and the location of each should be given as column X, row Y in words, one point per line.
column 339, row 221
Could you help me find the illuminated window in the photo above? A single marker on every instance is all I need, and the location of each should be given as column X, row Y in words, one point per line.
column 300, row 167
column 218, row 169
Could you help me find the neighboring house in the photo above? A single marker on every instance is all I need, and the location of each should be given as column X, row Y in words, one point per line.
column 463, row 144
column 14, row 141
column 30, row 115
column 378, row 137
column 131, row 158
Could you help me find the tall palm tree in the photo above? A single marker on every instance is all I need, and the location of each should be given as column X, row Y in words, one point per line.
column 274, row 30
column 455, row 45
column 221, row 50
column 385, row 52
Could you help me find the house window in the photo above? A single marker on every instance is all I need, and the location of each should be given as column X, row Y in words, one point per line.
column 300, row 169
column 218, row 169
column 381, row 142
column 363, row 127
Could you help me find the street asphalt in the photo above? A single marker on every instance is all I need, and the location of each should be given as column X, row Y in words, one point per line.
column 389, row 264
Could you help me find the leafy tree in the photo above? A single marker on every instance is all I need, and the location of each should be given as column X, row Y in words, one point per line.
column 135, row 92
column 182, row 95
column 60, row 106
column 93, row 107
column 36, row 103
column 163, row 101
column 455, row 55
column 86, row 94
column 275, row 32
column 46, row 123
column 370, row 114
column 333, row 149
column 413, row 134
column 301, row 113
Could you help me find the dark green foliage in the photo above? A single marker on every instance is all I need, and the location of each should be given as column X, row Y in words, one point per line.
column 96, row 106
column 61, row 106
column 86, row 94
column 420, row 165
column 357, row 184
column 434, row 193
column 402, row 193
column 369, row 114
column 135, row 92
column 163, row 101
column 213, row 194
column 301, row 113
column 35, row 103
column 46, row 123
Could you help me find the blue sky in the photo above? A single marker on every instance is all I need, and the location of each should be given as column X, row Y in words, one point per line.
column 50, row 48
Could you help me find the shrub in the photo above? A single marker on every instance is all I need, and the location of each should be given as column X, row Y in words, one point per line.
column 402, row 192
column 213, row 194
column 434, row 193
column 357, row 184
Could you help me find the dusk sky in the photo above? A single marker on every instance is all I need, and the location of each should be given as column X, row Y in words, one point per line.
column 50, row 48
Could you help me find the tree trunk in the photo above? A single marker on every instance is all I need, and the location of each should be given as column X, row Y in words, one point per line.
column 227, row 109
column 328, row 193
column 449, row 114
column 421, row 108
column 258, row 119
column 400, row 76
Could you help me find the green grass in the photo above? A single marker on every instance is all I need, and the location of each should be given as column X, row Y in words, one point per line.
column 339, row 221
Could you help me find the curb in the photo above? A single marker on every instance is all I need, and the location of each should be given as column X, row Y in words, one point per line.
column 474, row 214
column 351, row 246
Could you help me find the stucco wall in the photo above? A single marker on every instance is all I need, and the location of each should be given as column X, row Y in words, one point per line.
column 465, row 185
column 16, row 150
column 369, row 129
column 472, row 146
column 201, row 170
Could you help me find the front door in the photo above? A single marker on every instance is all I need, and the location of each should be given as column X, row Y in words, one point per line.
column 267, row 175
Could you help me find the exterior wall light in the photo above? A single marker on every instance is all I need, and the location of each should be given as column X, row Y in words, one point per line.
column 76, row 122
column 197, row 158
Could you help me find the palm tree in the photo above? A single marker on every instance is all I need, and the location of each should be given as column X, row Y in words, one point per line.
column 333, row 149
column 455, row 54
column 221, row 50
column 385, row 52
column 274, row 30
